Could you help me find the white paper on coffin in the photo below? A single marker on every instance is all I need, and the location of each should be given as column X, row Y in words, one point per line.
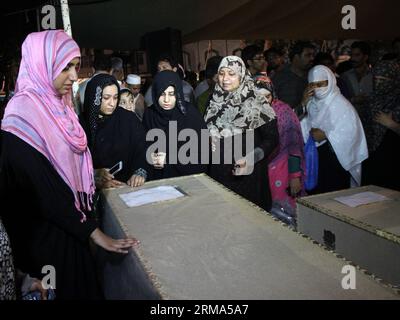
column 151, row 195
column 361, row 198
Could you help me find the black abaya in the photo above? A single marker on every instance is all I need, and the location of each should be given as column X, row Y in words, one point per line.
column 331, row 175
column 120, row 137
column 253, row 187
column 193, row 120
column 382, row 168
column 185, row 116
column 42, row 221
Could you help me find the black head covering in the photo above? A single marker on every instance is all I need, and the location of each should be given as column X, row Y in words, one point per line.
column 184, row 114
column 116, row 137
column 161, row 82
column 92, row 103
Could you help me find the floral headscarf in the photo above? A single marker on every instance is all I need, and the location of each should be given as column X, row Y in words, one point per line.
column 231, row 113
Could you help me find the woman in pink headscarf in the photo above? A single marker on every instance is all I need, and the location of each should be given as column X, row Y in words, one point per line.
column 47, row 172
column 286, row 169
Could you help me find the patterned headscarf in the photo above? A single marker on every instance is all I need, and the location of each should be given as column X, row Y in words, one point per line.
column 231, row 113
column 92, row 102
column 385, row 98
column 46, row 121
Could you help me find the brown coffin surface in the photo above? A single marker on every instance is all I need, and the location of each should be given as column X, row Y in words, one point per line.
column 368, row 235
column 213, row 244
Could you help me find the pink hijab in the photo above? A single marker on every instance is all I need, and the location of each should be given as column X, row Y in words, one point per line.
column 46, row 121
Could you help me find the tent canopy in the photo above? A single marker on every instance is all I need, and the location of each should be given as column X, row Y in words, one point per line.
column 119, row 24
column 306, row 19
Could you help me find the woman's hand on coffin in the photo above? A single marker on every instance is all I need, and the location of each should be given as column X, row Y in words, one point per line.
column 113, row 245
column 136, row 181
column 318, row 134
column 105, row 179
column 111, row 184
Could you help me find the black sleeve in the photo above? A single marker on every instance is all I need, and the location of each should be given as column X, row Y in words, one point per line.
column 269, row 137
column 197, row 123
column 32, row 172
column 140, row 145
column 189, row 169
column 146, row 119
column 146, row 123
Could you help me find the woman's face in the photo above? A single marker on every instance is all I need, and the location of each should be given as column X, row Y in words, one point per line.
column 109, row 100
column 167, row 100
column 228, row 80
column 267, row 94
column 63, row 82
column 126, row 101
column 320, row 88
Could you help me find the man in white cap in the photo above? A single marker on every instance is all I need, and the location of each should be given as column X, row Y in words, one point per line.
column 133, row 82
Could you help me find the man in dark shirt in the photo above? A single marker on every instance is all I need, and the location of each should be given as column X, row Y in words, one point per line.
column 254, row 59
column 275, row 61
column 359, row 78
column 291, row 83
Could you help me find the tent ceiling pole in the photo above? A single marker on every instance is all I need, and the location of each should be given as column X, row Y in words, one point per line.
column 65, row 17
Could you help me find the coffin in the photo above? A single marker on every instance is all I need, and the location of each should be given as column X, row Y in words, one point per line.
column 213, row 244
column 367, row 235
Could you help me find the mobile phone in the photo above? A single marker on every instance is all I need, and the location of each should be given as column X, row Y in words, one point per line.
column 115, row 168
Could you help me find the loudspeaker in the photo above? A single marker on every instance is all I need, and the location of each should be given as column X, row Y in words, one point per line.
column 166, row 41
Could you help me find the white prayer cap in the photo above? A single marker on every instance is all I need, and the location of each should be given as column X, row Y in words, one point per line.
column 133, row 79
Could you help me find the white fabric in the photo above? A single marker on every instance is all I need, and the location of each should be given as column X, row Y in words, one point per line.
column 133, row 79
column 329, row 111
